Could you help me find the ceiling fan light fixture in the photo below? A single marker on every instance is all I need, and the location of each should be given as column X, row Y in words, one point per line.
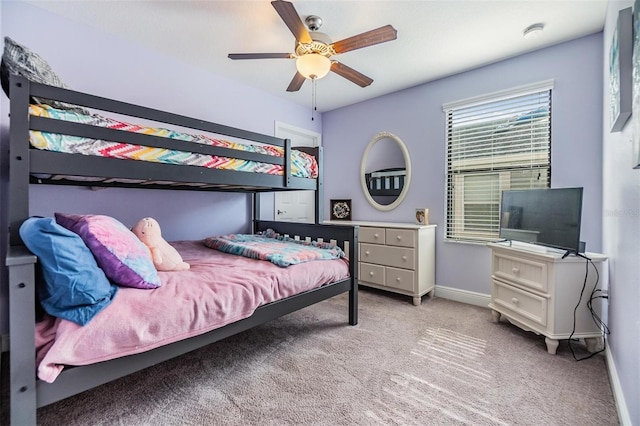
column 314, row 50
column 313, row 65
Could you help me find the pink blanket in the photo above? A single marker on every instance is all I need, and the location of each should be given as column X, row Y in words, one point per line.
column 219, row 289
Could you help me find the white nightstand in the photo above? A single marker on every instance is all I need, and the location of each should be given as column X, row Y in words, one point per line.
column 537, row 290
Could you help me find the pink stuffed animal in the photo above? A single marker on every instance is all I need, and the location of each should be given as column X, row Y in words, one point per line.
column 164, row 256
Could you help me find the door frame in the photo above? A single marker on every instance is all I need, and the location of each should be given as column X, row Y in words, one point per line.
column 288, row 131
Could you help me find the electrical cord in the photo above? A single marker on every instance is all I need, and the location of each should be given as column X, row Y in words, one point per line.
column 594, row 315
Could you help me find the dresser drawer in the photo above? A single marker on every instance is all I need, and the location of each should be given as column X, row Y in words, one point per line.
column 369, row 273
column 389, row 256
column 520, row 302
column 371, row 235
column 402, row 279
column 522, row 271
column 401, row 237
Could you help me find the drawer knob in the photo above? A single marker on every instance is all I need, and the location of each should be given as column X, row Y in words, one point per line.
column 398, row 279
column 515, row 271
column 399, row 237
column 370, row 273
column 515, row 300
column 366, row 253
column 404, row 258
column 376, row 235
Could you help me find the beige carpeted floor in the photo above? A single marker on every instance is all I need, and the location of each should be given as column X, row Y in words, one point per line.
column 442, row 363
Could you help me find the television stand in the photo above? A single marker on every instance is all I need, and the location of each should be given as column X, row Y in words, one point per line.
column 538, row 292
column 577, row 254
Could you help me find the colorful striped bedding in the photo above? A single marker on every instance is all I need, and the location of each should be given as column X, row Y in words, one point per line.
column 275, row 248
column 303, row 164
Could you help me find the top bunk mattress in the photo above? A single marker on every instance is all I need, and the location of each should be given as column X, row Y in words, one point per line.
column 303, row 165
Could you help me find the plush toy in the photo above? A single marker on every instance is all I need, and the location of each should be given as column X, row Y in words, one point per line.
column 164, row 256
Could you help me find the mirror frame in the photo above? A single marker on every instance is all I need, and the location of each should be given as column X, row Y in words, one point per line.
column 363, row 165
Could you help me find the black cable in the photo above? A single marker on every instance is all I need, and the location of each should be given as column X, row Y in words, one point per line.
column 594, row 315
column 599, row 322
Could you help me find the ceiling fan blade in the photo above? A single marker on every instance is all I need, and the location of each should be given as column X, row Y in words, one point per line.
column 291, row 18
column 260, row 56
column 369, row 38
column 351, row 74
column 296, row 83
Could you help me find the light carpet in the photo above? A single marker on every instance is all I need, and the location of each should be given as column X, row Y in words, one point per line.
column 441, row 363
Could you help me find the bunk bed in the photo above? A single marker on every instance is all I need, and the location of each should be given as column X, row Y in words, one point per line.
column 30, row 165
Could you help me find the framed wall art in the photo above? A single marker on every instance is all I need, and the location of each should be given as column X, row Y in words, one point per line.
column 340, row 209
column 635, row 119
column 620, row 69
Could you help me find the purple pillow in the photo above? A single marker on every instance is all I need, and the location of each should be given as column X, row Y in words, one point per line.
column 124, row 259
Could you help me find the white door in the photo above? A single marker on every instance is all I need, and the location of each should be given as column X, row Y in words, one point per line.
column 296, row 206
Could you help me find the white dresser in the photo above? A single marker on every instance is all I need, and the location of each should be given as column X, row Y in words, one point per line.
column 397, row 257
column 537, row 290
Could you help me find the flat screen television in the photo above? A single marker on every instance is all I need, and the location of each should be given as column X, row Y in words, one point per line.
column 550, row 217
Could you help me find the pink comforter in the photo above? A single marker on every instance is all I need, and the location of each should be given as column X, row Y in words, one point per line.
column 218, row 289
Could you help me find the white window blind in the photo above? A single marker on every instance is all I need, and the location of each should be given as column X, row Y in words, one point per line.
column 499, row 143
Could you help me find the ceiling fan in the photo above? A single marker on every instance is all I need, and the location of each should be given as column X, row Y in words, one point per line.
column 314, row 49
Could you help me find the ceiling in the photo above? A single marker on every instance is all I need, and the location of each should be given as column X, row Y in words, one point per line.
column 436, row 38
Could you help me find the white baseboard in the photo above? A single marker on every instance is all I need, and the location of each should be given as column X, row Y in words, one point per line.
column 621, row 405
column 464, row 296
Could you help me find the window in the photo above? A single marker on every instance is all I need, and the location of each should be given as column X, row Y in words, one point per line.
column 494, row 143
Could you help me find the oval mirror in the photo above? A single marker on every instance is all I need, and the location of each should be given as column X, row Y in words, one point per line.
column 385, row 171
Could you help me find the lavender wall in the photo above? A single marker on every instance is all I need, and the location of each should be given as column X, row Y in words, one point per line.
column 415, row 115
column 621, row 237
column 93, row 61
column 108, row 66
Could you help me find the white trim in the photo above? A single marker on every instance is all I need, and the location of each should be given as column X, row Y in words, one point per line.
column 469, row 297
column 299, row 137
column 618, row 395
column 315, row 137
column 501, row 94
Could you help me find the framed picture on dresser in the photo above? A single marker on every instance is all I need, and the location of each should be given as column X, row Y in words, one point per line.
column 422, row 216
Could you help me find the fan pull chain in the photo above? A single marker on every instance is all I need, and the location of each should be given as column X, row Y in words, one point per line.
column 313, row 97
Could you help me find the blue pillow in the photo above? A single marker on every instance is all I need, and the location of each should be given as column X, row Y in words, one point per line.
column 74, row 287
